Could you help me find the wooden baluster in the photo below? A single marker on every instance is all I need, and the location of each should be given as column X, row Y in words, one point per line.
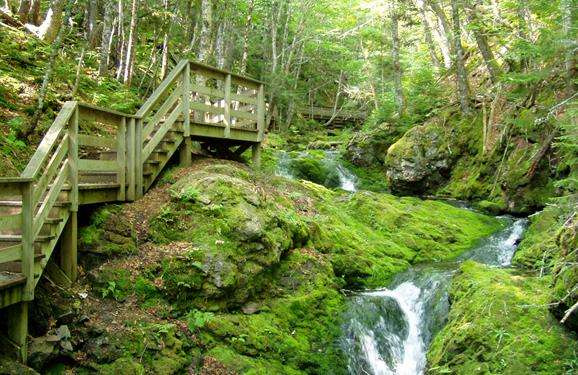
column 131, row 147
column 27, row 239
column 227, row 118
column 261, row 112
column 138, row 158
column 69, row 243
column 186, row 148
column 121, row 158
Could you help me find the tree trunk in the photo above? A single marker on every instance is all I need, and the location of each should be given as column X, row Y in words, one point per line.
column 205, row 46
column 130, row 49
column 49, row 29
column 397, row 71
column 428, row 34
column 481, row 40
column 24, row 10
column 34, row 17
column 443, row 32
column 121, row 41
column 91, row 21
column 78, row 73
column 165, row 50
column 246, row 33
column 461, row 73
column 570, row 45
column 105, row 44
column 31, row 126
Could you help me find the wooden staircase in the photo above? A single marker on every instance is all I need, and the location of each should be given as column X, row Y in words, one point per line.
column 38, row 211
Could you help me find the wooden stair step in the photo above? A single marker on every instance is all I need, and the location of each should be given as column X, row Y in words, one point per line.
column 11, row 279
column 98, row 186
column 18, row 238
column 19, row 204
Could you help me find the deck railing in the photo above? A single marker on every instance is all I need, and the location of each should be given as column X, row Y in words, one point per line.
column 70, row 154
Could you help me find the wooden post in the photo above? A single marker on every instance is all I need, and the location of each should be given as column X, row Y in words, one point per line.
column 69, row 247
column 261, row 112
column 256, row 154
column 28, row 240
column 121, row 158
column 131, row 161
column 139, row 162
column 73, row 160
column 186, row 148
column 17, row 328
column 227, row 118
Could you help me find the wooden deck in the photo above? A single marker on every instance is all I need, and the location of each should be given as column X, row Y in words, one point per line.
column 72, row 167
column 335, row 117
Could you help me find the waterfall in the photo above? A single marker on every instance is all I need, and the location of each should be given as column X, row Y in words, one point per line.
column 388, row 331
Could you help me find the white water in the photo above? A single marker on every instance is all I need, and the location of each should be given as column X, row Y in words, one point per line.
column 389, row 330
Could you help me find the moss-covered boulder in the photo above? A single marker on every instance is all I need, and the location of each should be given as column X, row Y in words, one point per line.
column 314, row 166
column 368, row 148
column 500, row 324
column 420, row 160
column 109, row 233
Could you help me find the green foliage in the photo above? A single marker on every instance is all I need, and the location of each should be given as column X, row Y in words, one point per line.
column 198, row 319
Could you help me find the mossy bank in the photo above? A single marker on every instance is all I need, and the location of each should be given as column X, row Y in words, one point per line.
column 223, row 269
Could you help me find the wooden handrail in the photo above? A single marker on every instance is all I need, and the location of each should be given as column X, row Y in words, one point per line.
column 49, row 140
column 157, row 94
column 225, row 72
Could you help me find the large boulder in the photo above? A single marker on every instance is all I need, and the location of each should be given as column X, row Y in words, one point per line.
column 368, row 148
column 419, row 161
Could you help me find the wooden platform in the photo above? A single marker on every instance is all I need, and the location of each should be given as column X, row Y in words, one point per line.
column 72, row 167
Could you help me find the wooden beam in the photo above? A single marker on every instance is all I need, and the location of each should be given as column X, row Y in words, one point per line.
column 121, row 159
column 256, row 155
column 69, row 247
column 227, row 109
column 131, row 145
column 28, row 241
column 17, row 328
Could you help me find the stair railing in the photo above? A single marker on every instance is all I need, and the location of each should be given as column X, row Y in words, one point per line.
column 217, row 100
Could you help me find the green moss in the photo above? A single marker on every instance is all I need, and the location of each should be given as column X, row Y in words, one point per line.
column 313, row 166
column 108, row 233
column 499, row 324
column 122, row 365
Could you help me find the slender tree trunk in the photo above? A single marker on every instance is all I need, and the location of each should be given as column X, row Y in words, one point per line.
column 165, row 51
column 121, row 41
column 428, row 34
column 24, row 10
column 275, row 11
column 220, row 45
column 246, row 33
column 34, row 17
column 461, row 73
column 130, row 49
column 78, row 73
column 443, row 32
column 29, row 129
column 481, row 40
column 91, row 21
column 205, row 46
column 107, row 33
column 397, row 71
column 570, row 45
column 49, row 29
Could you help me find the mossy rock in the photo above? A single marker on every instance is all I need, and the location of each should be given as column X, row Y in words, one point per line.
column 368, row 148
column 499, row 323
column 109, row 233
column 314, row 166
column 420, row 160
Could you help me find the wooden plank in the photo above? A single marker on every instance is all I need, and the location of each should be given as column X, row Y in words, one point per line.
column 131, row 161
column 205, row 131
column 162, row 112
column 89, row 165
column 73, row 161
column 261, row 112
column 158, row 93
column 49, row 140
column 244, row 98
column 236, row 77
column 121, row 160
column 96, row 141
column 207, row 108
column 10, row 222
column 11, row 254
column 227, row 109
column 50, row 199
column 244, row 115
column 51, row 169
column 207, row 91
column 139, row 159
column 88, row 108
column 28, row 242
column 68, row 250
column 160, row 134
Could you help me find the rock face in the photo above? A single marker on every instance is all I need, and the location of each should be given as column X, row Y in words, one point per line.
column 420, row 160
column 369, row 148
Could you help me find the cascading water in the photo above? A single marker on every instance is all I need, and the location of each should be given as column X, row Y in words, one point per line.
column 388, row 331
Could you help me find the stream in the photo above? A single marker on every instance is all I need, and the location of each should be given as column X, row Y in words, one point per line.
column 388, row 331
